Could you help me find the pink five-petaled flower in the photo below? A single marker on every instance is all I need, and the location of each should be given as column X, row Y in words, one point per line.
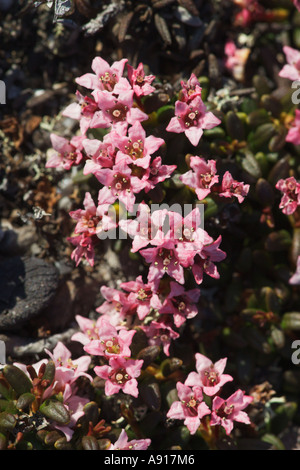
column 201, row 177
column 190, row 89
column 191, row 407
column 180, row 303
column 89, row 330
column 225, row 412
column 68, row 370
column 295, row 279
column 236, row 59
column 123, row 444
column 191, row 118
column 120, row 374
column 292, row 69
column 116, row 111
column 209, row 376
column 116, row 305
column 231, row 187
column 143, row 295
column 188, row 235
column 75, row 406
column 291, row 195
column 160, row 333
column 146, row 228
column 136, row 147
column 84, row 248
column 82, row 111
column 158, row 173
column 106, row 77
column 163, row 260
column 293, row 134
column 204, row 261
column 100, row 154
column 111, row 342
column 92, row 220
column 141, row 83
column 65, row 153
column 119, row 183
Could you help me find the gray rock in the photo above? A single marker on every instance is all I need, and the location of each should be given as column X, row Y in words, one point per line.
column 27, row 286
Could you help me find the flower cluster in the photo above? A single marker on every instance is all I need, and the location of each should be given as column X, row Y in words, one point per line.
column 208, row 382
column 203, row 178
column 64, row 386
column 290, row 189
column 173, row 246
column 191, row 115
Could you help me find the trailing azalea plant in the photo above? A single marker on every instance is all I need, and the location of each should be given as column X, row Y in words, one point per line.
column 127, row 347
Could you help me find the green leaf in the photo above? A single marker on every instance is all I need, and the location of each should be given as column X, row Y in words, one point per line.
column 17, row 379
column 55, row 410
column 7, row 421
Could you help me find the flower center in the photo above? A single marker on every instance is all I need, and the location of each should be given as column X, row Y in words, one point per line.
column 121, row 183
column 111, row 346
column 225, row 411
column 191, row 118
column 167, row 258
column 205, row 179
column 119, row 376
column 108, row 81
column 143, row 295
column 211, row 378
column 135, row 149
column 118, row 112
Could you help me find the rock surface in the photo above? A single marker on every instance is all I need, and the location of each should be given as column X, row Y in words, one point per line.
column 27, row 285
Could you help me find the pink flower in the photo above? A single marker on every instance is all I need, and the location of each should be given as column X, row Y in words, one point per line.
column 66, row 367
column 225, row 412
column 187, row 234
column 297, row 4
column 293, row 134
column 209, row 376
column 83, row 111
column 181, row 303
column 158, row 173
column 116, row 304
column 191, row 407
column 65, row 153
column 236, row 59
column 106, row 77
column 100, row 155
column 92, row 220
column 191, row 119
column 292, row 69
column 143, row 295
column 204, row 261
column 160, row 333
column 84, row 248
column 190, row 89
column 89, row 330
column 111, row 343
column 120, row 183
column 231, row 187
column 146, row 228
column 136, row 147
column 75, row 406
column 163, row 260
column 140, row 83
column 295, row 279
column 291, row 195
column 201, row 177
column 123, row 444
column 116, row 111
column 120, row 374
